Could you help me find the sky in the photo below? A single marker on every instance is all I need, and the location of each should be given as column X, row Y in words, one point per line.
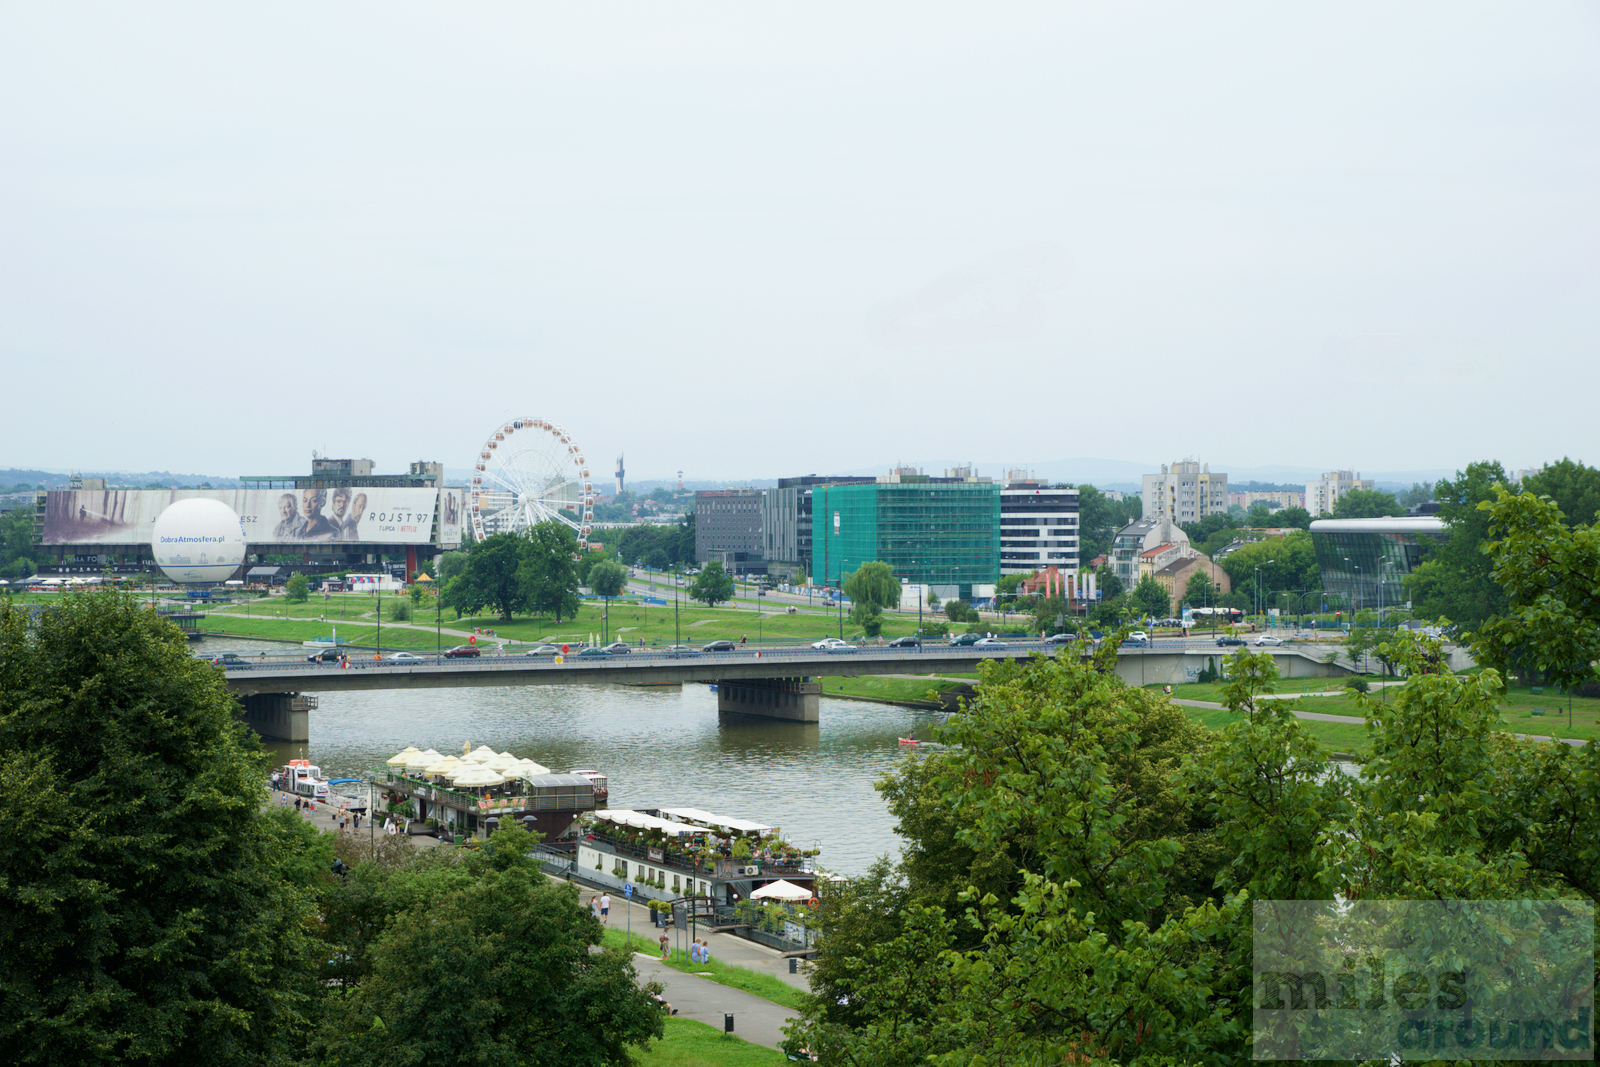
column 747, row 241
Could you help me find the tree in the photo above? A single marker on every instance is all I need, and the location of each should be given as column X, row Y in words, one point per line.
column 297, row 589
column 1455, row 580
column 548, row 571
column 1419, row 493
column 1287, row 563
column 499, row 972
column 873, row 583
column 712, row 585
column 1550, row 572
column 1150, row 598
column 495, row 577
column 1108, row 584
column 1199, row 592
column 608, row 579
column 145, row 914
column 1366, row 504
column 1299, row 518
column 1574, row 488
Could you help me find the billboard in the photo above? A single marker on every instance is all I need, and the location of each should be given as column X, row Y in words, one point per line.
column 378, row 515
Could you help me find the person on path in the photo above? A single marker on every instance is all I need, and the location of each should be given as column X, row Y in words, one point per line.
column 666, row 947
column 594, row 908
column 705, row 951
column 605, row 908
column 298, row 804
column 358, row 820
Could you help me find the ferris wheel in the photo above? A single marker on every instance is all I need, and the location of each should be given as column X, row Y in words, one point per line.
column 527, row 472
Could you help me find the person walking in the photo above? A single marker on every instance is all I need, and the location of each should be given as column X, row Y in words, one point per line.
column 605, row 908
column 666, row 947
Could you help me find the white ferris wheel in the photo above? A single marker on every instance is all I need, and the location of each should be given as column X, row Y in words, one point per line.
column 530, row 471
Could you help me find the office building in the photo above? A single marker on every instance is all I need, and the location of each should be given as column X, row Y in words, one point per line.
column 1364, row 562
column 1038, row 527
column 943, row 533
column 727, row 528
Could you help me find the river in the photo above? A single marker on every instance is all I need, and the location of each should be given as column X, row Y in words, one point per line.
column 660, row 746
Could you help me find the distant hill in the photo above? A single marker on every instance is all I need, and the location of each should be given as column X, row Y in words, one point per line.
column 57, row 479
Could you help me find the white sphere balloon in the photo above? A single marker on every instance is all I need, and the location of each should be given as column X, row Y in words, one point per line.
column 198, row 541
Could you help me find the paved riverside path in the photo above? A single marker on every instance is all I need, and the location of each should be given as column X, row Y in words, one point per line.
column 1317, row 716
column 755, row 1020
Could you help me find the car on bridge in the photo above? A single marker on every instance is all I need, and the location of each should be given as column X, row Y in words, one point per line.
column 989, row 642
column 828, row 643
column 618, row 648
column 906, row 642
column 544, row 650
column 1229, row 639
column 1267, row 639
column 1060, row 639
column 589, row 652
column 230, row 659
column 718, row 646
column 327, row 655
column 965, row 639
column 405, row 657
column 464, row 652
column 680, row 651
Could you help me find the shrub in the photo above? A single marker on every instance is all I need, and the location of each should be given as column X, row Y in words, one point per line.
column 1358, row 684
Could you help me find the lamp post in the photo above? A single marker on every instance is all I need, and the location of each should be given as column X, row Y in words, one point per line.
column 1258, row 590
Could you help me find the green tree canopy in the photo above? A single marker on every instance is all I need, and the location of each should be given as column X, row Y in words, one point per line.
column 1287, row 563
column 1455, row 579
column 1299, row 518
column 1574, row 488
column 607, row 579
column 146, row 914
column 1199, row 592
column 548, row 570
column 492, row 578
column 873, row 583
column 497, row 972
column 713, row 585
column 297, row 589
column 1550, row 573
column 1366, row 504
column 1150, row 598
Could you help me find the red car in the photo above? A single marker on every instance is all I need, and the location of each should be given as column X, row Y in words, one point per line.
column 463, row 652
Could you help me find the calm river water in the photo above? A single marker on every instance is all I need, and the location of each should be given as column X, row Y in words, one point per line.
column 660, row 747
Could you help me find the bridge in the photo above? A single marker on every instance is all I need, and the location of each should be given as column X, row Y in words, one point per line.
column 777, row 683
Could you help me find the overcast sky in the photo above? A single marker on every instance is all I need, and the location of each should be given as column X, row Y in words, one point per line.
column 749, row 240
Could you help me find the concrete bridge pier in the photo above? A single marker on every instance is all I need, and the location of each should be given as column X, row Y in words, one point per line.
column 785, row 699
column 279, row 716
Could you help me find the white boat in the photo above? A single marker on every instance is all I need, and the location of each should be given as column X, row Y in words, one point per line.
column 303, row 778
column 601, row 786
column 349, row 793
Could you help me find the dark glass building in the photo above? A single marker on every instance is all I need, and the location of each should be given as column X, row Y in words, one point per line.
column 1364, row 561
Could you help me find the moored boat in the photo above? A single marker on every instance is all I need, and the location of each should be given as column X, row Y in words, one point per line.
column 602, row 788
column 303, row 778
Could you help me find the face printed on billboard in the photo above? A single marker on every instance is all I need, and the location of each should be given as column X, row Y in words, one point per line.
column 270, row 516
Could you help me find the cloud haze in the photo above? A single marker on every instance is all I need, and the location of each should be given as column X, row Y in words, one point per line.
column 749, row 242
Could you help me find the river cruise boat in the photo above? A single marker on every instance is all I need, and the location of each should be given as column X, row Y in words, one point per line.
column 303, row 778
column 602, row 789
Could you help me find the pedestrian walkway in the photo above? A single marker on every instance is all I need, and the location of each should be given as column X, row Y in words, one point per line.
column 756, row 1020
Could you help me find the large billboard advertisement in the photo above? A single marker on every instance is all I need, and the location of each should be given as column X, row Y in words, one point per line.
column 270, row 516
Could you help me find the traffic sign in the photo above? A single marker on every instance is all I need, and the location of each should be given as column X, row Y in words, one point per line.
column 627, row 890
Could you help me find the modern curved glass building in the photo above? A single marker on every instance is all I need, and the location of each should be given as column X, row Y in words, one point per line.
column 1365, row 561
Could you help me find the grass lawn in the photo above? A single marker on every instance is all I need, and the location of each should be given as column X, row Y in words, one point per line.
column 694, row 1044
column 1522, row 710
column 760, row 985
column 900, row 690
column 691, row 624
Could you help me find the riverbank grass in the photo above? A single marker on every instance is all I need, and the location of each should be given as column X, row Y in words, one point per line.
column 688, row 1043
column 760, row 985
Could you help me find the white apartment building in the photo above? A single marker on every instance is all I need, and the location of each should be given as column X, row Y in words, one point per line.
column 1185, row 492
column 1321, row 496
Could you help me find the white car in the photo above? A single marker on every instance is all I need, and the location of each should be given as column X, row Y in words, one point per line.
column 405, row 656
column 1138, row 635
column 1267, row 639
column 830, row 642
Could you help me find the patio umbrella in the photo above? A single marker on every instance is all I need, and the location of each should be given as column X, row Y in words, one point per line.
column 531, row 768
column 422, row 759
column 402, row 757
column 482, row 753
column 781, row 890
column 474, row 777
column 501, row 763
column 442, row 766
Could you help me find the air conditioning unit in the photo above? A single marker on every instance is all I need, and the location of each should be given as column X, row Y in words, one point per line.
column 749, row 870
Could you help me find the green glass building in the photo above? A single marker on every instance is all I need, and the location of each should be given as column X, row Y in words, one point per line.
column 943, row 534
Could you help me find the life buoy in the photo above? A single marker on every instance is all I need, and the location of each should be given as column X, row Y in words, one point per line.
column 813, row 903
